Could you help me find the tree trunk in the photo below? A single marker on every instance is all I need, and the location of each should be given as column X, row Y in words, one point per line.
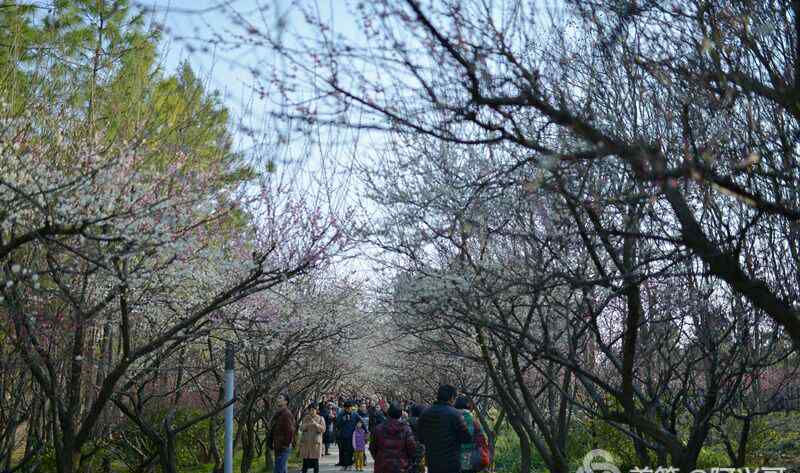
column 33, row 438
column 741, row 454
column 10, row 442
column 269, row 462
column 169, row 459
column 68, row 460
column 247, row 449
column 641, row 451
column 212, row 446
column 248, row 429
column 525, row 456
column 179, row 377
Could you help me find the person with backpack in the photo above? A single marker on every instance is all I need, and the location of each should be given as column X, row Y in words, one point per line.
column 474, row 455
column 392, row 444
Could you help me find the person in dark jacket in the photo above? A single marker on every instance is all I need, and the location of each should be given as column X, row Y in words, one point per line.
column 392, row 444
column 345, row 426
column 281, row 433
column 441, row 428
column 376, row 416
column 364, row 414
column 327, row 437
column 418, row 463
column 336, row 413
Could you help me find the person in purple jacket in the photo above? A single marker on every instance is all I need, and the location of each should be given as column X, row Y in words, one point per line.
column 360, row 445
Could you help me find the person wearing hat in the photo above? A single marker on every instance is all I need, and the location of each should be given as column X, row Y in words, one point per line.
column 345, row 426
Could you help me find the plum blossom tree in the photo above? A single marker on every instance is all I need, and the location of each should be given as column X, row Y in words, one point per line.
column 682, row 97
column 532, row 285
column 285, row 338
column 121, row 240
column 94, row 242
column 622, row 201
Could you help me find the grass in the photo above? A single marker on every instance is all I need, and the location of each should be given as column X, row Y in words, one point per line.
column 295, row 462
column 258, row 465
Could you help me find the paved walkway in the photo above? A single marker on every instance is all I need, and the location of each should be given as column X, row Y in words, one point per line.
column 327, row 464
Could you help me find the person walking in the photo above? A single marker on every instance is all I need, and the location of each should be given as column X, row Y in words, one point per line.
column 345, row 426
column 360, row 445
column 392, row 444
column 478, row 436
column 376, row 416
column 281, row 433
column 413, row 417
column 312, row 426
column 418, row 462
column 336, row 412
column 441, row 428
column 364, row 414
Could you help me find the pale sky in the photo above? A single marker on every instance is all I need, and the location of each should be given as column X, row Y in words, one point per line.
column 192, row 25
column 189, row 27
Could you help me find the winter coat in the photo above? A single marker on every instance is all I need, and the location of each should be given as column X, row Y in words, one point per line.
column 346, row 425
column 327, row 437
column 419, row 457
column 325, row 413
column 392, row 446
column 281, row 433
column 376, row 418
column 360, row 440
column 311, row 430
column 442, row 429
column 413, row 422
column 466, row 448
column 365, row 419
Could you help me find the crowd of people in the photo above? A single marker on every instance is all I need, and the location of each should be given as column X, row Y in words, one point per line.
column 445, row 437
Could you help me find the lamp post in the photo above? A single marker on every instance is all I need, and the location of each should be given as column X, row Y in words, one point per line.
column 229, row 391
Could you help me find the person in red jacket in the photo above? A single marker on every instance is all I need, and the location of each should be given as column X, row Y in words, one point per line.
column 392, row 444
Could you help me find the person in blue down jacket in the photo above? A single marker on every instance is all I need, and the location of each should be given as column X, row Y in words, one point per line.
column 345, row 426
